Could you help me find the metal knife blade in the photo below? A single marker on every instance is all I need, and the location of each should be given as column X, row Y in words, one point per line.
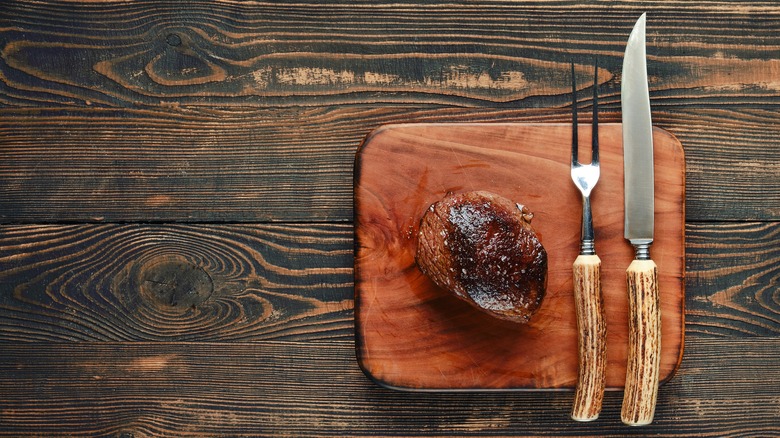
column 637, row 141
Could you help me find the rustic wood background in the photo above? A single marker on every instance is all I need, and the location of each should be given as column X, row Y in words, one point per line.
column 176, row 240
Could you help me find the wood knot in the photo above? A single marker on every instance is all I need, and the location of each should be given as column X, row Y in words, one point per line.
column 173, row 39
column 175, row 284
column 183, row 59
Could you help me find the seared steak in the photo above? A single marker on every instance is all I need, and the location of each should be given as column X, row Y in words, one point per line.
column 481, row 247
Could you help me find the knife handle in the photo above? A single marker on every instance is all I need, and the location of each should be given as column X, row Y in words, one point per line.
column 591, row 341
column 644, row 343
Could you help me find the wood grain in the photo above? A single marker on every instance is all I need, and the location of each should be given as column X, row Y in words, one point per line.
column 158, row 101
column 258, row 54
column 416, row 336
column 230, row 51
column 142, row 167
column 730, row 292
column 734, row 266
column 314, row 388
column 79, row 283
column 230, row 387
column 295, row 164
column 231, row 111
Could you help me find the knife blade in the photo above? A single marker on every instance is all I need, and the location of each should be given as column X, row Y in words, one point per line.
column 641, row 387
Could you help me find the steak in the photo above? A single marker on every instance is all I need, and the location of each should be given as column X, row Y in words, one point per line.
column 482, row 248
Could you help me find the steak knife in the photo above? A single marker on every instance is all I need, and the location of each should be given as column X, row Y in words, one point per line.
column 644, row 325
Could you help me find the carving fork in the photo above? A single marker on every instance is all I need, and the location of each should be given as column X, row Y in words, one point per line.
column 591, row 327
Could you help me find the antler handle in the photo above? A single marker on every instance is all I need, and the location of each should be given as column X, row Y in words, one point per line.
column 591, row 341
column 644, row 343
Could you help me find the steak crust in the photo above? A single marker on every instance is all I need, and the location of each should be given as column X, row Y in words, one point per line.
column 481, row 247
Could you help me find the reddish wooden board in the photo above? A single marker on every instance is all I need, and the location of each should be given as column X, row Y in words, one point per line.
column 412, row 335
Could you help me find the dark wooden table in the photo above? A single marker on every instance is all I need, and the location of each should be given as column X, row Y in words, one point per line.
column 176, row 246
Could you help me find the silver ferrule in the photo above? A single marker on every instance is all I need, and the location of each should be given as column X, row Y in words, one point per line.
column 642, row 248
column 587, row 243
column 588, row 247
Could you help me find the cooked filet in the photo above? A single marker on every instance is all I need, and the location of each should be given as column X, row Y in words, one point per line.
column 481, row 247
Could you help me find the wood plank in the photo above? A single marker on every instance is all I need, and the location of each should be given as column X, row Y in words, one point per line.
column 75, row 283
column 733, row 269
column 414, row 335
column 296, row 164
column 144, row 166
column 729, row 156
column 116, row 54
column 71, row 283
column 314, row 388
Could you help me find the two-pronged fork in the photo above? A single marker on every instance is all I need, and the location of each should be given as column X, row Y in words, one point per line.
column 592, row 330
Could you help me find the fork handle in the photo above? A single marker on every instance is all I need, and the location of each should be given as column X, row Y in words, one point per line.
column 644, row 344
column 591, row 341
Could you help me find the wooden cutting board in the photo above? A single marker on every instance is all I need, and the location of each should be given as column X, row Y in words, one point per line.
column 412, row 335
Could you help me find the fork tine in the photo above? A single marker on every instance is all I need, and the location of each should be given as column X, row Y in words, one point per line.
column 595, row 133
column 574, row 127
